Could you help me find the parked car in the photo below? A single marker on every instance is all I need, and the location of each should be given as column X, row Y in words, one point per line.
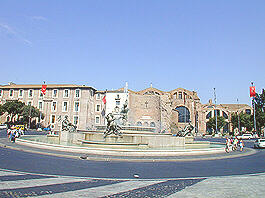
column 259, row 143
column 245, row 136
column 3, row 126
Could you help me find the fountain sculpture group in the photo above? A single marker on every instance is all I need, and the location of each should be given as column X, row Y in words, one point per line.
column 118, row 133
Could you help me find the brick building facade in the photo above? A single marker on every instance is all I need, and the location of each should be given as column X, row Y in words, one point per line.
column 150, row 107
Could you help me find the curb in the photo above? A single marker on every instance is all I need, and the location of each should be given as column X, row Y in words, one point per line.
column 96, row 157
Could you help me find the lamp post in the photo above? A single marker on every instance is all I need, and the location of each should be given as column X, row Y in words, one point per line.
column 238, row 117
column 215, row 111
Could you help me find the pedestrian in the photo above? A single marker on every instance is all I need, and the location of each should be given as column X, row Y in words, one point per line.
column 20, row 131
column 241, row 145
column 13, row 136
column 235, row 142
column 8, row 133
column 227, row 144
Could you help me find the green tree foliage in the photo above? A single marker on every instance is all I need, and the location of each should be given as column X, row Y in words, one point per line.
column 259, row 102
column 220, row 123
column 245, row 120
column 13, row 108
column 2, row 110
column 29, row 112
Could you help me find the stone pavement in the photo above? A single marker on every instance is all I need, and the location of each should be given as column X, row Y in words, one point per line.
column 229, row 186
column 20, row 184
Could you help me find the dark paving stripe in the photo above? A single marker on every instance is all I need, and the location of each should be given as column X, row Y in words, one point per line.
column 158, row 190
column 22, row 177
column 56, row 188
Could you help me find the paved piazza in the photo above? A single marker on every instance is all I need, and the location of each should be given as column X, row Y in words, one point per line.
column 34, row 174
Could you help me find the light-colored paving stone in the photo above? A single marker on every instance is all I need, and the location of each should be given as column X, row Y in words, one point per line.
column 5, row 185
column 6, row 173
column 226, row 187
column 102, row 191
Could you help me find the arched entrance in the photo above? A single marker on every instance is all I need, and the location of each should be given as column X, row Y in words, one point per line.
column 183, row 114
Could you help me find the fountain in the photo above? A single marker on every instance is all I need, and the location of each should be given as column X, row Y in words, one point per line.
column 119, row 138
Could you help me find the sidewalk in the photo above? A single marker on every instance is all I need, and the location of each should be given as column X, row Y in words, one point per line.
column 225, row 187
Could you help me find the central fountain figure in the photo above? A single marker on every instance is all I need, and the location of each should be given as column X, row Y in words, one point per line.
column 112, row 121
column 112, row 126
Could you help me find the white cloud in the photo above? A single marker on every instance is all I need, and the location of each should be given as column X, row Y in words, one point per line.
column 41, row 18
column 9, row 30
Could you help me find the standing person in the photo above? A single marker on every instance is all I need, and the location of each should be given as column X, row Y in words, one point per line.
column 227, row 144
column 8, row 133
column 13, row 136
column 20, row 131
column 235, row 144
column 241, row 145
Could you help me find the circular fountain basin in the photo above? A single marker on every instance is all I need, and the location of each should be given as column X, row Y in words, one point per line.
column 53, row 143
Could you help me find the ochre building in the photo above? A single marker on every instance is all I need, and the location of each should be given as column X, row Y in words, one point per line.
column 166, row 111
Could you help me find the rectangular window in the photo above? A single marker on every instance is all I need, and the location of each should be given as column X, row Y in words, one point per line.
column 97, row 120
column 75, row 120
column 1, row 92
column 55, row 93
column 20, row 93
column 66, row 93
column 98, row 107
column 54, row 106
column 180, row 95
column 65, row 106
column 98, row 96
column 41, row 94
column 11, row 93
column 77, row 93
column 30, row 93
column 40, row 105
column 118, row 102
column 52, row 119
column 77, row 104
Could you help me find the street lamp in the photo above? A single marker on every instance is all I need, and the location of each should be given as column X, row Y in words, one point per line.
column 238, row 117
column 215, row 111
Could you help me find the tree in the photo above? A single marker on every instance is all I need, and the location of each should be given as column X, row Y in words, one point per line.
column 13, row 108
column 245, row 120
column 220, row 123
column 29, row 112
column 259, row 103
column 2, row 110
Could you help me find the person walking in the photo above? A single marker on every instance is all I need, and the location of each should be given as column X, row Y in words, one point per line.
column 227, row 145
column 13, row 136
column 235, row 144
column 241, row 145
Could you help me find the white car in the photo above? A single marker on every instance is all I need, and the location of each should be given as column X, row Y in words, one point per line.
column 3, row 126
column 245, row 136
column 259, row 143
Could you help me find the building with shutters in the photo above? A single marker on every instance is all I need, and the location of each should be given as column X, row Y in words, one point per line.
column 151, row 107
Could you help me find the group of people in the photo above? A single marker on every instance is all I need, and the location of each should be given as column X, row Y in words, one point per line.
column 14, row 133
column 233, row 143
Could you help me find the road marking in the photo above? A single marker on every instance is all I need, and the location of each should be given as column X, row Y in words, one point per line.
column 6, row 173
column 102, row 191
column 7, row 185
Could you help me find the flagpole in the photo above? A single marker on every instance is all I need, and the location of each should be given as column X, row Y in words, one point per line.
column 254, row 114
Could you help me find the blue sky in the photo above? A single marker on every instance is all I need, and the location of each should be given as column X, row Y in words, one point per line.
column 197, row 45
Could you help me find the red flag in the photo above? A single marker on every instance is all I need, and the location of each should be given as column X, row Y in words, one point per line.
column 252, row 91
column 43, row 89
column 104, row 99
